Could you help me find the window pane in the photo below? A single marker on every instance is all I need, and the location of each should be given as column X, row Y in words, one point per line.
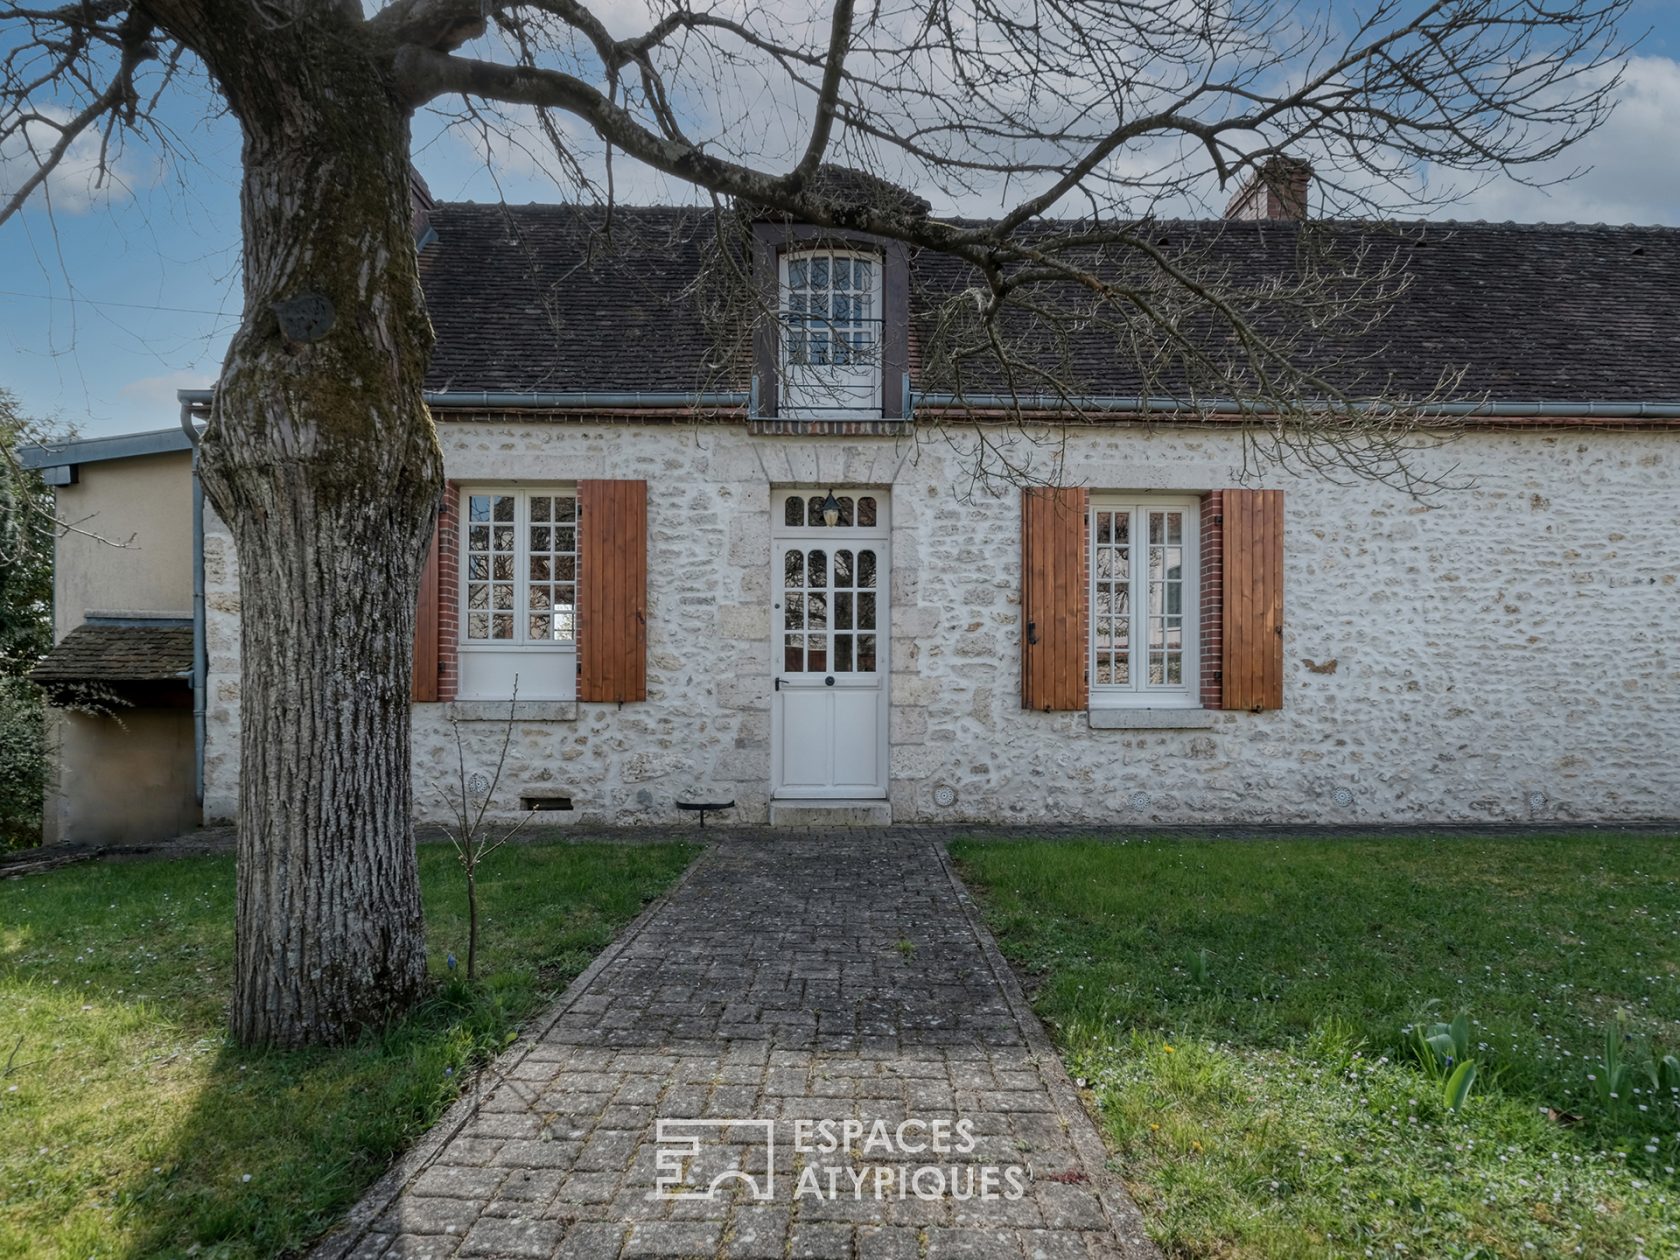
column 866, row 569
column 793, row 617
column 866, row 654
column 541, row 570
column 843, row 653
column 866, row 612
column 793, row 653
column 797, row 273
column 539, row 602
column 842, row 568
column 565, row 508
column 501, row 538
column 501, row 568
column 818, row 562
column 539, row 507
column 478, row 625
column 795, row 512
column 816, row 612
column 842, row 610
column 501, row 507
column 541, row 538
column 478, row 568
column 819, row 272
column 501, row 595
column 866, row 505
column 501, row 625
column 478, row 538
column 793, row 569
column 478, row 595
column 539, row 627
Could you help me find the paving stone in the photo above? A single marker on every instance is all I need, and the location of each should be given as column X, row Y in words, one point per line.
column 1055, row 1244
column 450, row 1181
column 673, row 1240
column 419, row 1214
column 881, row 1242
column 820, row 1242
column 591, row 1241
column 771, row 987
column 516, row 1238
column 420, row 1247
column 757, row 1232
column 973, row 1244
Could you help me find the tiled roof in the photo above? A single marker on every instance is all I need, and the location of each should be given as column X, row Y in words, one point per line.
column 128, row 652
column 528, row 298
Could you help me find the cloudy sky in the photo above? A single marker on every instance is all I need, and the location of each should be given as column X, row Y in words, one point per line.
column 115, row 300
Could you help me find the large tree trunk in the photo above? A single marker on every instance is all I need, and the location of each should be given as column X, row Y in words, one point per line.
column 322, row 459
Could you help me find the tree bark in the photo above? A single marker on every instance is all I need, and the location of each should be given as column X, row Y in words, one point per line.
column 323, row 461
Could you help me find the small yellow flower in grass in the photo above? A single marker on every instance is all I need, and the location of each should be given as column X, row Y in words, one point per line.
column 1169, row 1049
column 1154, row 1128
column 1196, row 1147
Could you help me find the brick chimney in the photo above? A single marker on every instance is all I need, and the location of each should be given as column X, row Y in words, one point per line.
column 1276, row 189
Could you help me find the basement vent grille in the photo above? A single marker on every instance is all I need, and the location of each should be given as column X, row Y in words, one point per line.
column 1342, row 796
column 545, row 802
column 1139, row 800
column 944, row 796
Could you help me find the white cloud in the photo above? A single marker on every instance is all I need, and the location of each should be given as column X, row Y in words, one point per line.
column 76, row 184
column 1633, row 176
column 157, row 393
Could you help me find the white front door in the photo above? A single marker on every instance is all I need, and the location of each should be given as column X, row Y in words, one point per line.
column 828, row 588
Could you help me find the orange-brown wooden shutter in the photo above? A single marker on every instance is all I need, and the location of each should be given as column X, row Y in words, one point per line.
column 1055, row 633
column 1253, row 629
column 426, row 628
column 612, row 590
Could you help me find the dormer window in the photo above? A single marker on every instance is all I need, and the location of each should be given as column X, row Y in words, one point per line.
column 831, row 333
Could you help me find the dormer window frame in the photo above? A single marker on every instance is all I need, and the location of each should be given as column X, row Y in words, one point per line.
column 772, row 242
column 831, row 332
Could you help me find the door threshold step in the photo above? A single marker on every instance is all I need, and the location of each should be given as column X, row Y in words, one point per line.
column 831, row 813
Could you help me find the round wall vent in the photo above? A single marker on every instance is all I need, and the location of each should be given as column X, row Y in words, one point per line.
column 1537, row 800
column 1139, row 800
column 478, row 784
column 944, row 796
column 1342, row 796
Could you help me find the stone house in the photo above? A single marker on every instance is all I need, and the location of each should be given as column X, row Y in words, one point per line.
column 755, row 565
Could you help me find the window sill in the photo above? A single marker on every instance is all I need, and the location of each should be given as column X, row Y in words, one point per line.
column 1141, row 719
column 523, row 711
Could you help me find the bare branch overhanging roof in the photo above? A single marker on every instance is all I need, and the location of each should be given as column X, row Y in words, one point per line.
column 536, row 298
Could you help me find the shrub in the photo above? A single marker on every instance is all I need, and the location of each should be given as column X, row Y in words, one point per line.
column 23, row 763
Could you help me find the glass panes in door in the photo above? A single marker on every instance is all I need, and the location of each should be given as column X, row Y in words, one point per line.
column 830, row 610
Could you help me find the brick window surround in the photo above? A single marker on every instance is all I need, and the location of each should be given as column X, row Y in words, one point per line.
column 449, row 592
column 1213, row 600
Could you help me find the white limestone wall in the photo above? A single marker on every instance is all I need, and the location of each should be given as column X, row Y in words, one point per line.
column 1505, row 653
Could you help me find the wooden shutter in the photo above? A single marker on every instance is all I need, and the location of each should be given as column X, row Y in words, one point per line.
column 426, row 627
column 612, row 590
column 1253, row 599
column 1055, row 631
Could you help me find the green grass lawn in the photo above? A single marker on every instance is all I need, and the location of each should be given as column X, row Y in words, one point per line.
column 130, row 1127
column 1236, row 1013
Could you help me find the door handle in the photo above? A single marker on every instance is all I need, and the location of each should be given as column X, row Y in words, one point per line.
column 1032, row 632
column 829, row 681
column 778, row 684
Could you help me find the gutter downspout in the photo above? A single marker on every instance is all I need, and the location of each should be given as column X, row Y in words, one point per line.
column 200, row 665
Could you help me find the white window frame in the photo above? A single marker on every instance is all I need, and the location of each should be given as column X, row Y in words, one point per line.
column 546, row 669
column 1139, row 693
column 850, row 392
